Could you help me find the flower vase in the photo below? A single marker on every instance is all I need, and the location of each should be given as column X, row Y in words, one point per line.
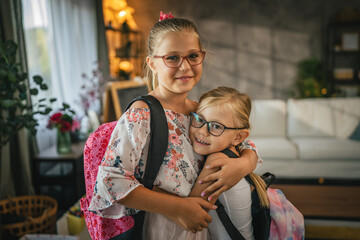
column 63, row 143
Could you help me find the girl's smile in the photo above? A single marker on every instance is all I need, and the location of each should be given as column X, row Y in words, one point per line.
column 184, row 78
column 181, row 79
column 205, row 143
column 197, row 140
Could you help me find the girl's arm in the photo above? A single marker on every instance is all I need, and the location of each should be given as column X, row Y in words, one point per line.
column 232, row 170
column 198, row 188
column 116, row 180
column 188, row 213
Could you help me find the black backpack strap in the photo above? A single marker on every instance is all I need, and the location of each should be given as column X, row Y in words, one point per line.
column 231, row 154
column 226, row 221
column 269, row 178
column 223, row 216
column 159, row 137
column 261, row 219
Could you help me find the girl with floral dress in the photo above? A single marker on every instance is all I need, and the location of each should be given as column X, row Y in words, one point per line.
column 174, row 61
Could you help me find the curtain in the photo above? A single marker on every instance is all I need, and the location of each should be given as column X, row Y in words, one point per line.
column 74, row 50
column 101, row 38
column 66, row 38
column 73, row 45
column 15, row 178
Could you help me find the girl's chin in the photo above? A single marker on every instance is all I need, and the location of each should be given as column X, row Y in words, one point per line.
column 201, row 151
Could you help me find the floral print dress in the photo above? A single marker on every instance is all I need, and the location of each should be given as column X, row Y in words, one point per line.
column 124, row 163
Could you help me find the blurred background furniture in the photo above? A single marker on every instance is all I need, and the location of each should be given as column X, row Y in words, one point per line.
column 27, row 214
column 308, row 138
column 60, row 176
column 309, row 144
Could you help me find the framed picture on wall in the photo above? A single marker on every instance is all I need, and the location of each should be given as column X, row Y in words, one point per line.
column 343, row 73
column 350, row 41
column 118, row 95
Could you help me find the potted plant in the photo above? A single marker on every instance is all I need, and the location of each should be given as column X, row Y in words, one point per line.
column 310, row 79
column 17, row 110
column 65, row 123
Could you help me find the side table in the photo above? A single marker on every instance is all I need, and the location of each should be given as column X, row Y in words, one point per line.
column 60, row 176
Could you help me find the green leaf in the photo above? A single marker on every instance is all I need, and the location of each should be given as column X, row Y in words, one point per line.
column 34, row 91
column 67, row 117
column 11, row 77
column 48, row 110
column 3, row 73
column 66, row 106
column 7, row 103
column 38, row 79
column 43, row 86
column 22, row 96
column 22, row 88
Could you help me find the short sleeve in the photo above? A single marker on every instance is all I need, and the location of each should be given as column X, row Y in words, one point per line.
column 122, row 164
column 247, row 144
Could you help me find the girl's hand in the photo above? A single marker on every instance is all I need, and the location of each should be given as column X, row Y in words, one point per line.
column 190, row 214
column 231, row 171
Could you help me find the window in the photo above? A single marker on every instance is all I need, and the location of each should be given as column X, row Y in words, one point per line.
column 61, row 46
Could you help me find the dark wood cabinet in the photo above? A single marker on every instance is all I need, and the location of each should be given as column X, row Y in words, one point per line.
column 343, row 58
column 60, row 176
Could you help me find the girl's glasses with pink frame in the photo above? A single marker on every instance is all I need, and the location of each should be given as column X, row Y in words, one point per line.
column 175, row 60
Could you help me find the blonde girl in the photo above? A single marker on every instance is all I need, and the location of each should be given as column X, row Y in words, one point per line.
column 175, row 57
column 222, row 122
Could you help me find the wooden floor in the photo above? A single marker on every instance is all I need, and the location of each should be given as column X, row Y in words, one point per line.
column 326, row 202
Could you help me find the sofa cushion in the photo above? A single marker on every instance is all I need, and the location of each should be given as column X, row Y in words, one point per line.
column 310, row 118
column 327, row 148
column 346, row 113
column 297, row 169
column 268, row 118
column 355, row 135
column 275, row 148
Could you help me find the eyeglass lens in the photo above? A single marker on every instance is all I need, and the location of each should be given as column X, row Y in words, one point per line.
column 193, row 59
column 213, row 128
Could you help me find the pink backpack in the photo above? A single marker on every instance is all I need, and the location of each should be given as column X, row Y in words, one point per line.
column 282, row 220
column 94, row 151
column 95, row 147
column 287, row 222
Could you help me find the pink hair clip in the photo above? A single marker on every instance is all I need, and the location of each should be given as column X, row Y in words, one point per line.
column 165, row 16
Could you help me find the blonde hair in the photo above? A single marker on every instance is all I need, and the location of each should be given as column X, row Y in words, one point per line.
column 240, row 105
column 156, row 33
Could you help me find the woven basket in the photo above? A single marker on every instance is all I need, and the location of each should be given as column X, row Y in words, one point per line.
column 40, row 212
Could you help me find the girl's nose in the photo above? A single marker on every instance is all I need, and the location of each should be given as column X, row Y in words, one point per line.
column 184, row 65
column 203, row 130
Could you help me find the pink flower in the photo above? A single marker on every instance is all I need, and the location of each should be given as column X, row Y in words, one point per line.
column 56, row 117
column 65, row 126
column 63, row 121
column 165, row 16
column 174, row 139
column 75, row 125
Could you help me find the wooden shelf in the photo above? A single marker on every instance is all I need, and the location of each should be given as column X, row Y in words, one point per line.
column 324, row 201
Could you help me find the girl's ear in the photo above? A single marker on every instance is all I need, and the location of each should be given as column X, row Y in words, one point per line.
column 240, row 136
column 150, row 62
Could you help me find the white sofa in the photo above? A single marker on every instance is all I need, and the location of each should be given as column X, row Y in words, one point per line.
column 307, row 138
